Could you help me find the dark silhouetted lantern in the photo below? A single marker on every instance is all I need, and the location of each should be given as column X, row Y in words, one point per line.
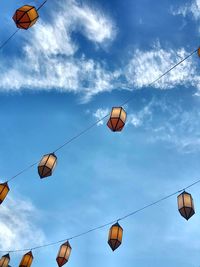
column 63, row 254
column 47, row 165
column 4, row 189
column 25, row 17
column 117, row 119
column 186, row 205
column 4, row 261
column 115, row 236
column 26, row 260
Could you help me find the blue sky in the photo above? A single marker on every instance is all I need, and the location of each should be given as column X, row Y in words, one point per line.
column 79, row 60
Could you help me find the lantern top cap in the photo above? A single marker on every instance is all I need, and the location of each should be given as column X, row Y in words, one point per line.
column 6, row 256
column 119, row 108
column 116, row 224
column 51, row 154
column 29, row 253
column 184, row 192
column 66, row 244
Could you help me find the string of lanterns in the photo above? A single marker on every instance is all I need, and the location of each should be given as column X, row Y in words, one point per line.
column 24, row 18
column 115, row 235
column 116, row 122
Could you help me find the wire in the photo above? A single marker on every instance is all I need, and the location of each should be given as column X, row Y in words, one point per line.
column 5, row 42
column 101, row 119
column 41, row 5
column 106, row 224
column 165, row 73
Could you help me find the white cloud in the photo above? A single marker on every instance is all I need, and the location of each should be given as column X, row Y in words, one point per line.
column 101, row 113
column 49, row 58
column 147, row 66
column 18, row 224
column 169, row 123
column 192, row 8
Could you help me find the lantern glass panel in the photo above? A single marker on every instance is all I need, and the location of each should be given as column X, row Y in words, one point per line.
column 123, row 115
column 115, row 112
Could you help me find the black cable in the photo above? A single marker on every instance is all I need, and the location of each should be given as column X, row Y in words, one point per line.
column 104, row 225
column 5, row 42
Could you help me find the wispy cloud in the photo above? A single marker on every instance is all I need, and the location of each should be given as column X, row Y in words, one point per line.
column 165, row 122
column 100, row 113
column 18, row 224
column 53, row 60
column 147, row 66
column 192, row 8
column 49, row 58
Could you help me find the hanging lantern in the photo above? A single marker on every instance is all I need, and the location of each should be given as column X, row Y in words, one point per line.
column 63, row 254
column 47, row 165
column 26, row 260
column 115, row 236
column 25, row 17
column 117, row 119
column 4, row 189
column 186, row 205
column 4, row 261
column 198, row 51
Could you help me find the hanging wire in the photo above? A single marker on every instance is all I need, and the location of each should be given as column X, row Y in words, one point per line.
column 67, row 142
column 106, row 224
column 5, row 42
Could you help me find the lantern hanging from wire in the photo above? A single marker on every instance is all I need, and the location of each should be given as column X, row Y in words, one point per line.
column 47, row 165
column 63, row 254
column 115, row 236
column 4, row 189
column 186, row 205
column 27, row 260
column 25, row 17
column 4, row 261
column 117, row 119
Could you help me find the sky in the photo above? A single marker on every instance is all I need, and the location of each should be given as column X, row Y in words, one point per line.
column 79, row 60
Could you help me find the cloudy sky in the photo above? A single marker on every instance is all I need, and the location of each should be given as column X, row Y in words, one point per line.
column 67, row 71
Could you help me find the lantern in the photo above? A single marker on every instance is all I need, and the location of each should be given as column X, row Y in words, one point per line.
column 47, row 165
column 186, row 205
column 25, row 17
column 26, row 260
column 63, row 254
column 117, row 119
column 115, row 236
column 4, row 261
column 198, row 51
column 4, row 189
